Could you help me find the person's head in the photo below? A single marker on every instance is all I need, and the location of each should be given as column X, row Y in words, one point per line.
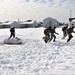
column 49, row 27
column 67, row 26
column 54, row 27
column 72, row 26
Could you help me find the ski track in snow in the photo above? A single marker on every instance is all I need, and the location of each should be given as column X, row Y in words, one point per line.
column 36, row 57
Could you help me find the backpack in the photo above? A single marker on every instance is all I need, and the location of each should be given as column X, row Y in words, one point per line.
column 64, row 28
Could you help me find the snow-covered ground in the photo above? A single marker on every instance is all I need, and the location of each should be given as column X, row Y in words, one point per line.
column 34, row 57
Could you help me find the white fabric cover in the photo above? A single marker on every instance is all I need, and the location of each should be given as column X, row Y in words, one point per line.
column 15, row 40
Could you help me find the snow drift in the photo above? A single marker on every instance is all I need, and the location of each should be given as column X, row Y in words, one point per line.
column 34, row 56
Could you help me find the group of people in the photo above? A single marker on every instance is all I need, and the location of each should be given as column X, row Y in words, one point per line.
column 68, row 31
column 50, row 33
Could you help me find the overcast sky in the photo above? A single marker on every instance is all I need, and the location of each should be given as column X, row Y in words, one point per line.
column 36, row 9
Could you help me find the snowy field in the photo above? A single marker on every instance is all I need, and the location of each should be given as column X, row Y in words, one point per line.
column 34, row 57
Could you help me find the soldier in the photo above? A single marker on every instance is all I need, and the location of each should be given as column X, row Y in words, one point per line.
column 64, row 29
column 47, row 34
column 69, row 32
column 53, row 32
column 12, row 31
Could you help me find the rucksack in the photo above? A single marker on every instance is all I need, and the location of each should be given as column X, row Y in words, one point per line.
column 64, row 28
